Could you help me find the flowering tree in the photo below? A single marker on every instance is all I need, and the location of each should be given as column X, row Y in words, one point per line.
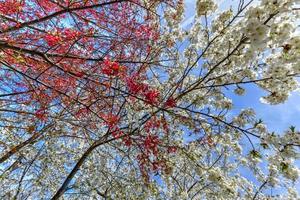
column 114, row 99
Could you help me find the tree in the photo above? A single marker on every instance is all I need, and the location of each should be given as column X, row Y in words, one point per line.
column 114, row 99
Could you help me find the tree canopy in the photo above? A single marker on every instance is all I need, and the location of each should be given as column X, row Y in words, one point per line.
column 116, row 99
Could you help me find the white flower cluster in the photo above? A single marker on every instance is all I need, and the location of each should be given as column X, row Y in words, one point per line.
column 278, row 81
column 255, row 28
column 204, row 7
column 257, row 33
column 278, row 5
column 280, row 32
column 220, row 22
column 291, row 53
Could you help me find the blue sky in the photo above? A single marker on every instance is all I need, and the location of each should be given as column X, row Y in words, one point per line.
column 277, row 117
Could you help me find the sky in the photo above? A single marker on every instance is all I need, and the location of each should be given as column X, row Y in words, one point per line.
column 277, row 117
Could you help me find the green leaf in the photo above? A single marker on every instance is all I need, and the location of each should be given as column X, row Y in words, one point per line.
column 293, row 129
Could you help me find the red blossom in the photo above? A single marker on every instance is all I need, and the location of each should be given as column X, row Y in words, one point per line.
column 79, row 74
column 70, row 34
column 112, row 68
column 9, row 7
column 64, row 83
column 146, row 32
column 165, row 126
column 170, row 103
column 82, row 112
column 52, row 39
column 117, row 133
column 152, row 96
column 133, row 86
column 41, row 114
column 151, row 144
column 152, row 124
column 111, row 120
column 127, row 141
column 155, row 166
column 172, row 149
